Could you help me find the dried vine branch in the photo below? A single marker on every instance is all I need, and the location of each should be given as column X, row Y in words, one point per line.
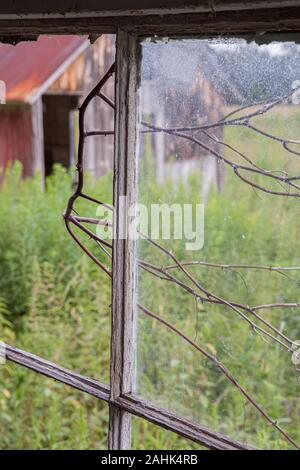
column 191, row 284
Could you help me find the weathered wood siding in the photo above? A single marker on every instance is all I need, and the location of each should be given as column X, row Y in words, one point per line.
column 16, row 137
column 81, row 77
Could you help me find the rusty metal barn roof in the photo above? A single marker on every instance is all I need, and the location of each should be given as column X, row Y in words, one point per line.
column 29, row 68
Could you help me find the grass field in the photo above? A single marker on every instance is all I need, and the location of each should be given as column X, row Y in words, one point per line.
column 54, row 302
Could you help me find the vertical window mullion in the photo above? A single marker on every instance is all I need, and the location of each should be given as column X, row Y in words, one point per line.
column 123, row 343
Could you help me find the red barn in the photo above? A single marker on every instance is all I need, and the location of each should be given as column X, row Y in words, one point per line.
column 45, row 82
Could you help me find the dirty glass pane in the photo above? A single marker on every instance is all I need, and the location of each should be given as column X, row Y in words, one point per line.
column 218, row 130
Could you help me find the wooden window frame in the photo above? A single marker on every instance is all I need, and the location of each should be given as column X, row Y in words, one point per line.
column 123, row 402
column 120, row 395
column 124, row 314
column 127, row 403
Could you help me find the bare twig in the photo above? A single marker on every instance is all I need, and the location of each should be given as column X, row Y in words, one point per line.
column 191, row 284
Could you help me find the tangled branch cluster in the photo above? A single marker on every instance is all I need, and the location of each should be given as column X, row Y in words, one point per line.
column 289, row 188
